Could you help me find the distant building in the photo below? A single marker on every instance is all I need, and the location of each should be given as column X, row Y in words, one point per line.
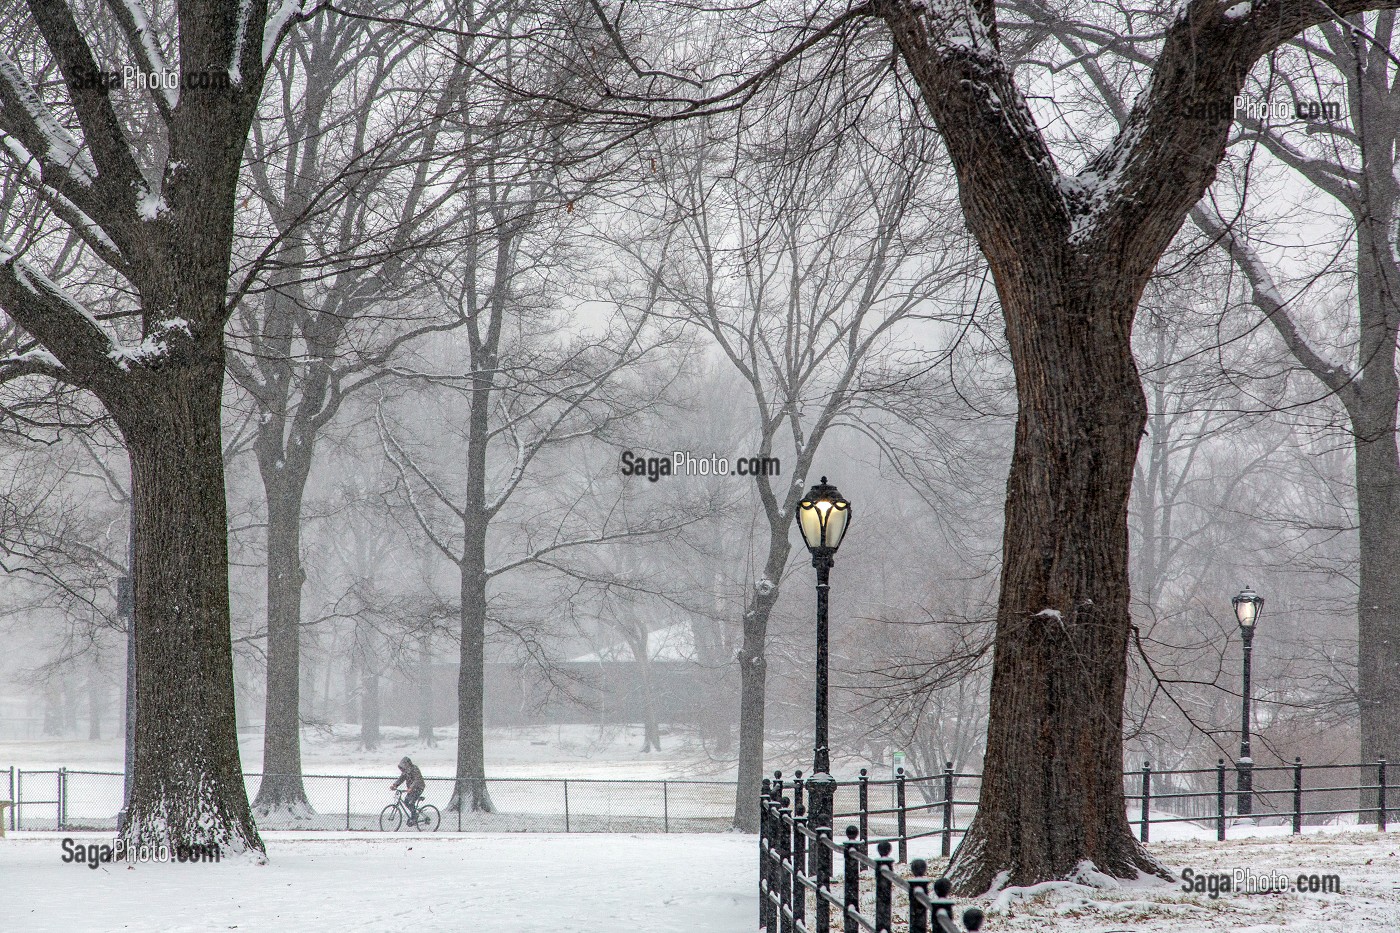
column 604, row 686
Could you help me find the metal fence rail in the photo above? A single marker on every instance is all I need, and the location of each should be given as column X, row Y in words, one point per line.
column 1277, row 796
column 798, row 890
column 67, row 799
column 896, row 810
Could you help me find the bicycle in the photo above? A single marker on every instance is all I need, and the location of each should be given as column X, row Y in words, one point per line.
column 393, row 817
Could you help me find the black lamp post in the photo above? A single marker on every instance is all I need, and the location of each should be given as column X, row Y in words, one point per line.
column 1248, row 605
column 822, row 517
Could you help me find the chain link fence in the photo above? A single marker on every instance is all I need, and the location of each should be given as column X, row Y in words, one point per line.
column 66, row 799
column 904, row 808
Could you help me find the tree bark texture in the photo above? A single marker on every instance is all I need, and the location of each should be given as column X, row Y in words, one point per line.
column 1372, row 407
column 469, row 791
column 281, row 790
column 1054, row 744
column 187, row 781
column 753, row 679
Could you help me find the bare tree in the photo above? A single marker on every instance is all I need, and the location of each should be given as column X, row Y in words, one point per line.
column 1353, row 164
column 521, row 400
column 1070, row 253
column 1349, row 165
column 159, row 218
column 802, row 254
column 350, row 187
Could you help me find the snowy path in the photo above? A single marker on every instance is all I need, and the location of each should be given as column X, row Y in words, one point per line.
column 473, row 884
column 532, row 883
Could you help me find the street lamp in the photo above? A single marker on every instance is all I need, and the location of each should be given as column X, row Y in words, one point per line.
column 822, row 517
column 1247, row 605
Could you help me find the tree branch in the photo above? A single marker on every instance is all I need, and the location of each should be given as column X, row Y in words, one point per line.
column 1267, row 298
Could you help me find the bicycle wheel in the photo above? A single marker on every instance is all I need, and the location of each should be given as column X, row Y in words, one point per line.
column 428, row 818
column 390, row 818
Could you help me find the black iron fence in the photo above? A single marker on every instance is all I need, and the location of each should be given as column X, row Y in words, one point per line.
column 1295, row 796
column 798, row 891
column 883, row 811
column 797, row 888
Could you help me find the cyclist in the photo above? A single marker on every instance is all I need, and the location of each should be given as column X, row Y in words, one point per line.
column 414, row 785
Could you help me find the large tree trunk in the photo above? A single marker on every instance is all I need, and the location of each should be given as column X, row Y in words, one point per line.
column 469, row 791
column 1372, row 407
column 281, row 791
column 166, row 222
column 187, row 781
column 1071, row 255
column 1378, row 682
column 1054, row 743
column 753, row 681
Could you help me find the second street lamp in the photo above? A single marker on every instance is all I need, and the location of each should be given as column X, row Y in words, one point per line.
column 1248, row 605
column 823, row 517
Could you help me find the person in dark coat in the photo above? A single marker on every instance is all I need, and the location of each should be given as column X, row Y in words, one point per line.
column 414, row 785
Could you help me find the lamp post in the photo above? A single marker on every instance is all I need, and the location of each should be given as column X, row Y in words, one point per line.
column 126, row 608
column 1247, row 605
column 822, row 517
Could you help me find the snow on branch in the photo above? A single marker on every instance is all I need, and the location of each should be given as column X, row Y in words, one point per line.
column 240, row 41
column 83, row 225
column 141, row 38
column 40, row 285
column 56, row 319
column 38, row 130
column 35, row 362
column 155, row 346
column 1269, row 300
column 278, row 23
column 103, row 134
column 1179, row 126
column 958, row 27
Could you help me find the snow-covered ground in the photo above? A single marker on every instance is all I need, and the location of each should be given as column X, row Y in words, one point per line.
column 573, row 751
column 337, row 883
column 1368, row 865
column 466, row 884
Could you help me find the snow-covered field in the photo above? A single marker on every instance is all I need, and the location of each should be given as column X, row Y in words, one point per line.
column 470, row 884
column 574, row 751
column 325, row 883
